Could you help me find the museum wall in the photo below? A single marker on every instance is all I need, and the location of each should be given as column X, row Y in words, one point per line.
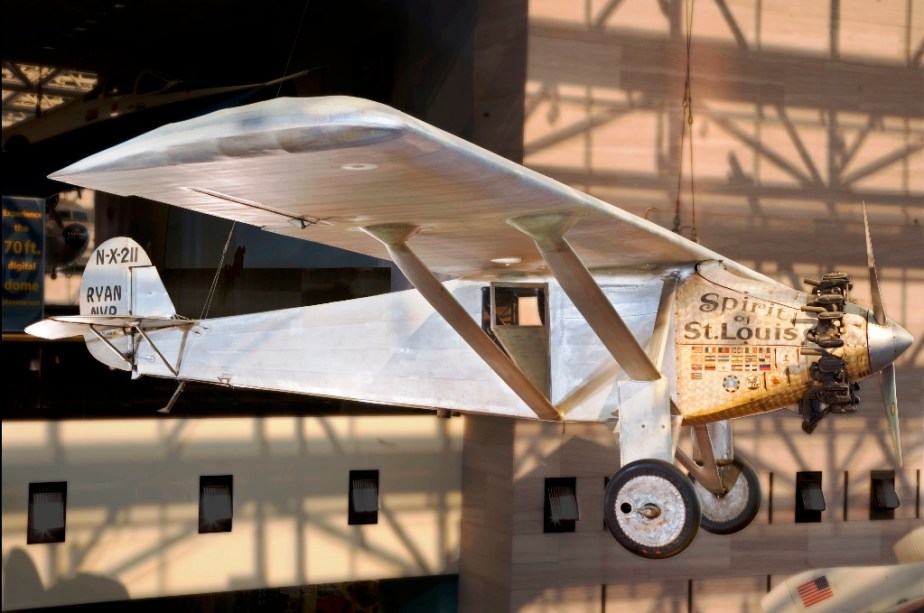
column 132, row 522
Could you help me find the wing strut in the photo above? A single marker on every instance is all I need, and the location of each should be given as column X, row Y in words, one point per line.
column 394, row 237
column 548, row 232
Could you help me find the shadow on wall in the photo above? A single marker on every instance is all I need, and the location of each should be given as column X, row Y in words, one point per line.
column 23, row 587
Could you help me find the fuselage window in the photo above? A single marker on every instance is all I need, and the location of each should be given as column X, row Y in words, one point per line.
column 519, row 306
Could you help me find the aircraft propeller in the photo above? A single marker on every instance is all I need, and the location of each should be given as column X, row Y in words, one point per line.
column 899, row 342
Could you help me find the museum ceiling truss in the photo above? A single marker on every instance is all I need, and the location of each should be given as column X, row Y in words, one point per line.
column 29, row 90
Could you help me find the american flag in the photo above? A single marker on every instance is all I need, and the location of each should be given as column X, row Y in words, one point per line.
column 815, row 591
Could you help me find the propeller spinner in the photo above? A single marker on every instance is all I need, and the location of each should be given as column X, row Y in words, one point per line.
column 886, row 341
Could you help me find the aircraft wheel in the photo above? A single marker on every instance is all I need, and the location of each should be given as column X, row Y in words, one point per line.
column 735, row 510
column 651, row 509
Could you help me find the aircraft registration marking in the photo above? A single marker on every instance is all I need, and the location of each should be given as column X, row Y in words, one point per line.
column 116, row 256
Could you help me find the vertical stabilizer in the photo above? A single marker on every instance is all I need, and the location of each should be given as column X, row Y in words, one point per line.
column 119, row 280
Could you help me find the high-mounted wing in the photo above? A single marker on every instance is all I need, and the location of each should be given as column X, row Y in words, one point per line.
column 323, row 168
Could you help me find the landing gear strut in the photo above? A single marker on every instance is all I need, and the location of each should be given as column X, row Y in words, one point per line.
column 727, row 487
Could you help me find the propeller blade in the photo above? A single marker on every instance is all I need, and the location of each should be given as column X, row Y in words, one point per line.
column 887, row 374
column 878, row 309
column 889, row 397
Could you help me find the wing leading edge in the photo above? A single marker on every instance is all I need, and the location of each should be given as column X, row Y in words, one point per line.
column 323, row 168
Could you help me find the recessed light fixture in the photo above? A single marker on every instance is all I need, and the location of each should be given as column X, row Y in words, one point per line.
column 507, row 261
column 359, row 166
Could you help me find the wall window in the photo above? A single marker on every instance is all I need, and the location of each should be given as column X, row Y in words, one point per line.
column 883, row 499
column 216, row 503
column 560, row 507
column 47, row 512
column 810, row 500
column 364, row 497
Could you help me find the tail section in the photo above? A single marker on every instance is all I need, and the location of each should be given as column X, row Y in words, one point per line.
column 121, row 295
column 120, row 281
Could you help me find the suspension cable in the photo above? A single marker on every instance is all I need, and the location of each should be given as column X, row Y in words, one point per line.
column 221, row 262
column 298, row 33
column 687, row 121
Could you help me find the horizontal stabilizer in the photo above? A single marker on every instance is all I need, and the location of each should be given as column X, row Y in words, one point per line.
column 56, row 328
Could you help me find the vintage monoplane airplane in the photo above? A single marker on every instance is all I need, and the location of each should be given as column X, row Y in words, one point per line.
column 561, row 307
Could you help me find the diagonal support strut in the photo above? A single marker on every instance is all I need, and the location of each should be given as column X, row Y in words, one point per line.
column 548, row 232
column 395, row 237
column 645, row 429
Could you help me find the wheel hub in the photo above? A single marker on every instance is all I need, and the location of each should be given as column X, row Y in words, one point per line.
column 651, row 511
column 732, row 504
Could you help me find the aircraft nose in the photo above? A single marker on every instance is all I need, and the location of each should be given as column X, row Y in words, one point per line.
column 886, row 343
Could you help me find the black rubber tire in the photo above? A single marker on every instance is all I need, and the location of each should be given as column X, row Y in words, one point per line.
column 660, row 484
column 729, row 514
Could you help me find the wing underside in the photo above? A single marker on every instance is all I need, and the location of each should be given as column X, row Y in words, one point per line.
column 322, row 169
